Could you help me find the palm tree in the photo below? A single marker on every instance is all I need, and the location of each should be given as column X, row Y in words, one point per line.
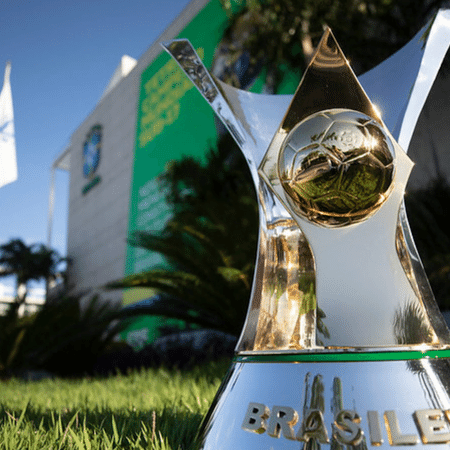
column 210, row 243
column 27, row 263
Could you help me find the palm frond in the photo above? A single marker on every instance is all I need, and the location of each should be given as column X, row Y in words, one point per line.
column 210, row 243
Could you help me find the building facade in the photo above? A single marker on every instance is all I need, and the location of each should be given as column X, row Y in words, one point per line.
column 148, row 115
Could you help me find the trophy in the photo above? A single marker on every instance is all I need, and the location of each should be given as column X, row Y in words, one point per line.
column 343, row 344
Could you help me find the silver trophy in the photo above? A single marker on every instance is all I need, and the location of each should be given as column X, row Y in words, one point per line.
column 343, row 344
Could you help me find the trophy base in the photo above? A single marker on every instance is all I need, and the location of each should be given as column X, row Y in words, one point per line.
column 281, row 401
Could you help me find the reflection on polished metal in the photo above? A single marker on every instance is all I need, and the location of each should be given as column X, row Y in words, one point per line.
column 338, row 405
column 343, row 344
column 336, row 167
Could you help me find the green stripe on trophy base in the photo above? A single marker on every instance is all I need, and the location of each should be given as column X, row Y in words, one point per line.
column 395, row 355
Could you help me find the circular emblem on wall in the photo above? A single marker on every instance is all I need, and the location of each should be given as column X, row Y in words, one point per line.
column 91, row 151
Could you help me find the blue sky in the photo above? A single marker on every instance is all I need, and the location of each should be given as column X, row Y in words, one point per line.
column 63, row 54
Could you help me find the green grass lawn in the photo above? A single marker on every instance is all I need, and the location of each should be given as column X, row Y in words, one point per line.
column 149, row 409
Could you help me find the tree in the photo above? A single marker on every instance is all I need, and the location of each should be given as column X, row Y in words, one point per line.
column 274, row 33
column 27, row 263
column 210, row 243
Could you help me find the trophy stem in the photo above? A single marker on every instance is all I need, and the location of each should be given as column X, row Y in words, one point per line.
column 282, row 312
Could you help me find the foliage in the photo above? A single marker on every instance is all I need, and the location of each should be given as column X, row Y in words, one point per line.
column 64, row 337
column 210, row 243
column 28, row 263
column 427, row 212
column 273, row 32
column 152, row 409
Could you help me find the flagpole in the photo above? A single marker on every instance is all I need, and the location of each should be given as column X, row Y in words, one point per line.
column 51, row 205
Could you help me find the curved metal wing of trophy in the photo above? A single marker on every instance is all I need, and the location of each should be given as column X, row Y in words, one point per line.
column 283, row 252
column 360, row 285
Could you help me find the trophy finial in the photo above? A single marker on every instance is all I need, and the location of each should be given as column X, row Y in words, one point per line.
column 328, row 83
column 331, row 159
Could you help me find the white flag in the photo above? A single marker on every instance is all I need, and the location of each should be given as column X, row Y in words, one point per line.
column 8, row 165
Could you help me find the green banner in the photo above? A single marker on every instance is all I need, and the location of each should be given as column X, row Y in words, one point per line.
column 173, row 120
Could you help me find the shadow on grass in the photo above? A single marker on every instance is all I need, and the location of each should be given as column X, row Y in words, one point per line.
column 168, row 428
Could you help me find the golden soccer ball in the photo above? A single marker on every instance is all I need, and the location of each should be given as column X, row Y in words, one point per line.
column 337, row 167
